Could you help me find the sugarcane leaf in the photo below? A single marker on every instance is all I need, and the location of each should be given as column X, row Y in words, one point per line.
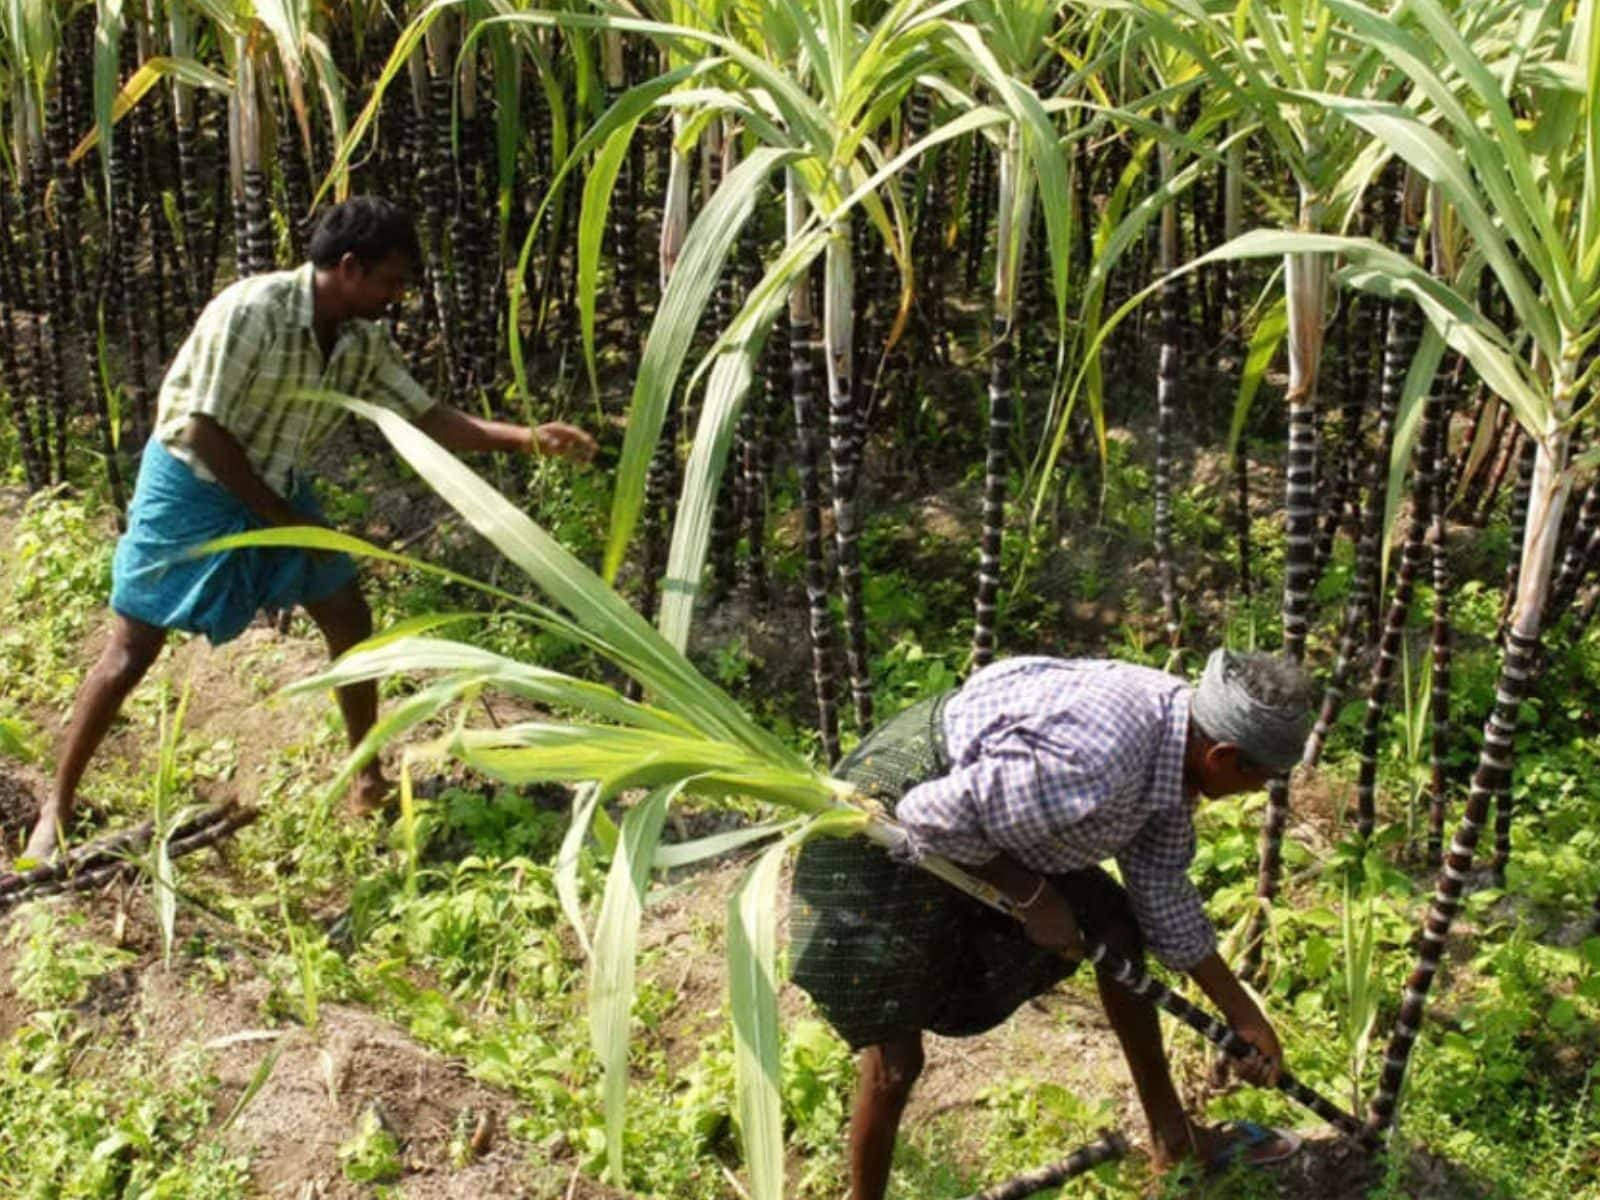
column 613, row 624
column 592, row 218
column 616, row 942
column 1265, row 341
column 417, row 653
column 705, row 250
column 558, row 752
column 1377, row 269
column 734, row 359
column 1438, row 161
column 753, row 1001
column 149, row 73
column 1408, row 424
column 585, row 803
column 107, row 54
column 411, row 711
column 673, row 855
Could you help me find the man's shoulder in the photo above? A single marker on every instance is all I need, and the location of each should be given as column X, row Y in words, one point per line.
column 266, row 297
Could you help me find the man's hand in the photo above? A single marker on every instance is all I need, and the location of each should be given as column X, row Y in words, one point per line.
column 1264, row 1067
column 1048, row 922
column 1244, row 1017
column 557, row 439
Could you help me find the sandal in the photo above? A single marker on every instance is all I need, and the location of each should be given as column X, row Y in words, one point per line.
column 1251, row 1145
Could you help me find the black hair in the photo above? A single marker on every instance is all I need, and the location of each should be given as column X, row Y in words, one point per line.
column 369, row 227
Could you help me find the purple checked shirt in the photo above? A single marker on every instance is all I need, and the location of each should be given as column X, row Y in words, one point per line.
column 1061, row 763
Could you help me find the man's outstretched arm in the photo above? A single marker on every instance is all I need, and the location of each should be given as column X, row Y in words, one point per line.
column 461, row 431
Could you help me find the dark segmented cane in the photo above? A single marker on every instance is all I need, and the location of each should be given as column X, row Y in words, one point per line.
column 1492, row 777
column 1109, row 1147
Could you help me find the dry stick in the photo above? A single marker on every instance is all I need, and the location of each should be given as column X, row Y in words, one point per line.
column 1110, row 1146
column 75, row 876
column 92, row 853
column 1134, row 978
column 98, row 877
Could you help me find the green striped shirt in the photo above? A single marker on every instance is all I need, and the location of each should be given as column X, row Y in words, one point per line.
column 252, row 355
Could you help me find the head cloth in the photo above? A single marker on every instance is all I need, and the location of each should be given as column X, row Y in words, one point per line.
column 1272, row 735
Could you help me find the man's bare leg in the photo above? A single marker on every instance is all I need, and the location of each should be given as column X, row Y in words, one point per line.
column 887, row 1072
column 1173, row 1136
column 345, row 619
column 126, row 659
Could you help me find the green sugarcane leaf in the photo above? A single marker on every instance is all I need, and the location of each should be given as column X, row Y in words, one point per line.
column 719, row 415
column 401, row 655
column 1377, row 269
column 1436, row 160
column 673, row 855
column 1265, row 342
column 553, row 752
column 705, row 250
column 592, row 219
column 585, row 803
column 107, row 54
column 422, row 705
column 613, row 625
column 405, row 46
column 616, row 942
column 150, row 72
column 753, row 1001
column 1408, row 424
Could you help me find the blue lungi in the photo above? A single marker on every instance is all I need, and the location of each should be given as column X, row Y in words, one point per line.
column 219, row 594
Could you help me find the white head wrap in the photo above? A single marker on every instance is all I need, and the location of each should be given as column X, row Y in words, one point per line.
column 1226, row 712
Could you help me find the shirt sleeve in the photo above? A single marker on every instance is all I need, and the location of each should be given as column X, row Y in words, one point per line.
column 227, row 357
column 1030, row 784
column 390, row 383
column 1171, row 913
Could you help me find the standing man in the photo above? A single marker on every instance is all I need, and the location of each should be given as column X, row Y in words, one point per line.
column 234, row 433
column 1028, row 776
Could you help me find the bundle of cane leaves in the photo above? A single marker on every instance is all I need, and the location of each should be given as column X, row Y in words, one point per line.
column 689, row 739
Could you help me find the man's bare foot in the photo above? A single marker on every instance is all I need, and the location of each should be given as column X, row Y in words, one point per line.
column 42, row 843
column 369, row 794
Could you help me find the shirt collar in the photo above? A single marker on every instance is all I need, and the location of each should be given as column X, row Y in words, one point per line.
column 301, row 304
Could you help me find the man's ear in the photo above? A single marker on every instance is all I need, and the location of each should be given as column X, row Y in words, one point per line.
column 1226, row 755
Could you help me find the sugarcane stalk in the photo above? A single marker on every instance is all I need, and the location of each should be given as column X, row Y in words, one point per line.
column 808, row 465
column 845, row 452
column 1109, row 1147
column 1168, row 386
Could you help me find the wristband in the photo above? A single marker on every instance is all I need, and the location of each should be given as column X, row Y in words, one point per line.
column 1025, row 905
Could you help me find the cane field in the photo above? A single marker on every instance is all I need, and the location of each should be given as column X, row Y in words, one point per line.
column 914, row 333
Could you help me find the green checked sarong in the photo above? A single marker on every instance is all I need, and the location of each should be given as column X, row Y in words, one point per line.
column 885, row 948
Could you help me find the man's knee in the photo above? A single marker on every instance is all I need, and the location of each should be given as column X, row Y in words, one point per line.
column 130, row 652
column 890, row 1069
column 343, row 616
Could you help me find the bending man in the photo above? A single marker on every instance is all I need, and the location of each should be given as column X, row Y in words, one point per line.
column 1029, row 776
